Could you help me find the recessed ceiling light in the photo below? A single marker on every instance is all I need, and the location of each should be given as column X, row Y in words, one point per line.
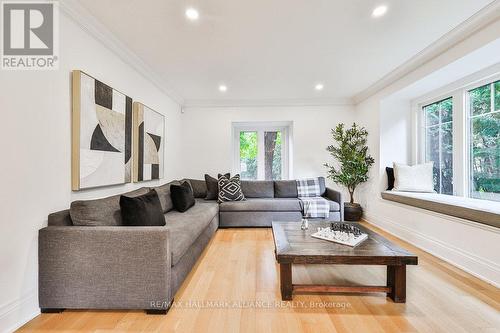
column 223, row 88
column 319, row 86
column 192, row 14
column 379, row 11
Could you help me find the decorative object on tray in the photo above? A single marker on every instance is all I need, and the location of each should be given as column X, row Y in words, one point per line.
column 305, row 221
column 101, row 134
column 342, row 233
column 149, row 142
column 351, row 152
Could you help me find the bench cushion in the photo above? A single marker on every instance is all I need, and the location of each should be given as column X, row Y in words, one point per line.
column 186, row 227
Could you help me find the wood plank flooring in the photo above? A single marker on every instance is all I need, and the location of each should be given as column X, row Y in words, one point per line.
column 235, row 288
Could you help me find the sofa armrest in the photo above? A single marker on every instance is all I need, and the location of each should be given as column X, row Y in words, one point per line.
column 336, row 196
column 104, row 267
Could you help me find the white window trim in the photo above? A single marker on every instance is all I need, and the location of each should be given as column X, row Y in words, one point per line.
column 461, row 152
column 260, row 127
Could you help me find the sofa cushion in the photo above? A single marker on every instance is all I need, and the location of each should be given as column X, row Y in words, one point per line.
column 199, row 187
column 258, row 188
column 143, row 211
column 285, row 189
column 334, row 206
column 165, row 196
column 100, row 212
column 186, row 227
column 262, row 205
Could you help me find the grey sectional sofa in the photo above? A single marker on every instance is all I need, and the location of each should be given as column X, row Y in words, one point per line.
column 87, row 260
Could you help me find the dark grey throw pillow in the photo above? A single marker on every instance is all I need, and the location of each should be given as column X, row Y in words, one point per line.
column 390, row 178
column 182, row 196
column 212, row 187
column 230, row 189
column 144, row 210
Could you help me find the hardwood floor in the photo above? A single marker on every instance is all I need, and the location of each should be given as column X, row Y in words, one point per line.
column 239, row 268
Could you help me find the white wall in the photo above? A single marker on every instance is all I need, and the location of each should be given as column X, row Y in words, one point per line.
column 36, row 156
column 207, row 141
column 471, row 246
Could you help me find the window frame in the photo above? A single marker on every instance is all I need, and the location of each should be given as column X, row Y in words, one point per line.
column 459, row 92
column 261, row 127
column 467, row 115
column 425, row 126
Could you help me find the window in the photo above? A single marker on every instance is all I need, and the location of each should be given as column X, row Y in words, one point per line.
column 460, row 132
column 484, row 141
column 261, row 151
column 439, row 143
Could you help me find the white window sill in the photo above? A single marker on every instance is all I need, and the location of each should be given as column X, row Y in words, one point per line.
column 481, row 211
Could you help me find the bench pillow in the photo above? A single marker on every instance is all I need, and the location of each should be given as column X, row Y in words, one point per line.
column 414, row 178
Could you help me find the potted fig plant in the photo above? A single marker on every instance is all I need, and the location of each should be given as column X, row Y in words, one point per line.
column 351, row 153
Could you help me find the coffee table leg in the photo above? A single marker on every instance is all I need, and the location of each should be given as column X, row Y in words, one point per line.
column 396, row 279
column 286, row 281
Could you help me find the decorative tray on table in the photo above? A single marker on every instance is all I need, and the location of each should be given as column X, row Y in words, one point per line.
column 341, row 233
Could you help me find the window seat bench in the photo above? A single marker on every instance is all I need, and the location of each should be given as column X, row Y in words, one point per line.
column 481, row 211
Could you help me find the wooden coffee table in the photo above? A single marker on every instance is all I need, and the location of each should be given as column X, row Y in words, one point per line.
column 296, row 246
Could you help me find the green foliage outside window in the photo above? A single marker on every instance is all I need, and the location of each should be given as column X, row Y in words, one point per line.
column 485, row 141
column 248, row 155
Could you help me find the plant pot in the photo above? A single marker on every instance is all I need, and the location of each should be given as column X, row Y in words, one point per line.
column 352, row 212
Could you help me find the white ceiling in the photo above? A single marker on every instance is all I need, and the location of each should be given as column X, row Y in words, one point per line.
column 277, row 49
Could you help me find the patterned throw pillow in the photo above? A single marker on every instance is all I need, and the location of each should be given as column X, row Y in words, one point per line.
column 230, row 189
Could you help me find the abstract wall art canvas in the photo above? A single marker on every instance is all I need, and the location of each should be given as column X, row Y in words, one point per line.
column 149, row 142
column 101, row 134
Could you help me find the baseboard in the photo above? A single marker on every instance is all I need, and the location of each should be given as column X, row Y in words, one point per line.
column 479, row 267
column 15, row 314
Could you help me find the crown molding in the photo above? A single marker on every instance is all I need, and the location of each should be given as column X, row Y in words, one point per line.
column 81, row 16
column 476, row 22
column 211, row 103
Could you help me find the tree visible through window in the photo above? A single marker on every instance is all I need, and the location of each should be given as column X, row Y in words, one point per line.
column 439, row 143
column 484, row 142
column 272, row 158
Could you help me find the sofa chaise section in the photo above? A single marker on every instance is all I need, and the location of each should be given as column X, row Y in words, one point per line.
column 104, row 267
column 109, row 266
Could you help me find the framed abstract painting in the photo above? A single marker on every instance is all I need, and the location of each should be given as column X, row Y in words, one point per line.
column 101, row 134
column 149, row 142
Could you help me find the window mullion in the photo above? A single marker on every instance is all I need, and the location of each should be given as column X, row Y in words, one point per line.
column 260, row 155
column 440, row 148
